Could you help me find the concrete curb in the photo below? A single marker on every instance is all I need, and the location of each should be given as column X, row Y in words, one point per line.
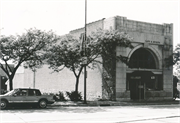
column 113, row 103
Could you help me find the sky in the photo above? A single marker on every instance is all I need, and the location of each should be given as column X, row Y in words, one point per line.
column 62, row 16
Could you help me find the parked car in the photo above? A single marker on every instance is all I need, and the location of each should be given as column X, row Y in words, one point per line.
column 25, row 96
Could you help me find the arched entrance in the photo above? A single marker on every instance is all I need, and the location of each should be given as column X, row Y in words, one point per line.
column 142, row 58
column 142, row 61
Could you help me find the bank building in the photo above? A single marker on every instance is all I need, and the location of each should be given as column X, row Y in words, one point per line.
column 146, row 78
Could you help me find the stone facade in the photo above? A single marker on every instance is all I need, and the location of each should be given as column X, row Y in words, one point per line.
column 154, row 39
column 157, row 39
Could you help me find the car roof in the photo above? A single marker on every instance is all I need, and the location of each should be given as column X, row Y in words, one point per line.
column 27, row 88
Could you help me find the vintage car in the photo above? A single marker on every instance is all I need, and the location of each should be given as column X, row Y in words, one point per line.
column 25, row 96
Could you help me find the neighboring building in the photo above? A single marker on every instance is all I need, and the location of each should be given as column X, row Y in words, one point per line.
column 4, row 79
column 147, row 77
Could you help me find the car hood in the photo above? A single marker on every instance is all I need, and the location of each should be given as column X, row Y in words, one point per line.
column 3, row 95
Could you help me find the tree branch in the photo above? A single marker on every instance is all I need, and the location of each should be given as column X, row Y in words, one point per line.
column 80, row 71
column 74, row 71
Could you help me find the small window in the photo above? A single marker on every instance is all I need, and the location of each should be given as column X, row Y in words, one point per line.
column 38, row 93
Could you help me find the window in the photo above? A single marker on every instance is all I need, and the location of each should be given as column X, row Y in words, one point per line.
column 152, row 82
column 21, row 92
column 38, row 93
column 155, row 83
column 32, row 92
column 142, row 58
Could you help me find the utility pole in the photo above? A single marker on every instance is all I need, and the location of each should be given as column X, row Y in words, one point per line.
column 34, row 77
column 85, row 72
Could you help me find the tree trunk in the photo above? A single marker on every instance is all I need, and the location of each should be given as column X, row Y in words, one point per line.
column 10, row 83
column 77, row 84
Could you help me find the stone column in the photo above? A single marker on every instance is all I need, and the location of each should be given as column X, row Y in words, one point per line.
column 168, row 71
column 121, row 93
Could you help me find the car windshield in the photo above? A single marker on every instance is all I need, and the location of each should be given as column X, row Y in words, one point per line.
column 11, row 92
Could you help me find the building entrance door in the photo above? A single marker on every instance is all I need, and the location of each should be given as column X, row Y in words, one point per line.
column 137, row 83
column 137, row 89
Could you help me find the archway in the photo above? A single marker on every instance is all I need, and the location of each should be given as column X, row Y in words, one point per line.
column 142, row 58
column 142, row 62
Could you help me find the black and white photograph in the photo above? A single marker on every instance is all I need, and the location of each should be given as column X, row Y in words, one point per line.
column 90, row 61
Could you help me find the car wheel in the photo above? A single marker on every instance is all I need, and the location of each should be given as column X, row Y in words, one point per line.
column 3, row 104
column 42, row 103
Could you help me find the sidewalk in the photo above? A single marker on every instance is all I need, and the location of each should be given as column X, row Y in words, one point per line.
column 115, row 103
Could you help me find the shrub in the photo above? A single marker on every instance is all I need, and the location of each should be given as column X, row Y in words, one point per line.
column 59, row 96
column 74, row 96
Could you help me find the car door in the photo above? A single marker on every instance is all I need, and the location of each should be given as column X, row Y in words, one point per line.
column 19, row 96
column 32, row 97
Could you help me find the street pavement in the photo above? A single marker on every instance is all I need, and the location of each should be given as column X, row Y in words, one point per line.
column 96, row 112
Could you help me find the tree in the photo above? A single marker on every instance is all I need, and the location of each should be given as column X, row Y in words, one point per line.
column 28, row 48
column 175, row 90
column 176, row 60
column 107, row 41
column 68, row 52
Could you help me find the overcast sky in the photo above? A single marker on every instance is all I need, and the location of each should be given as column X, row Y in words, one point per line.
column 62, row 16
